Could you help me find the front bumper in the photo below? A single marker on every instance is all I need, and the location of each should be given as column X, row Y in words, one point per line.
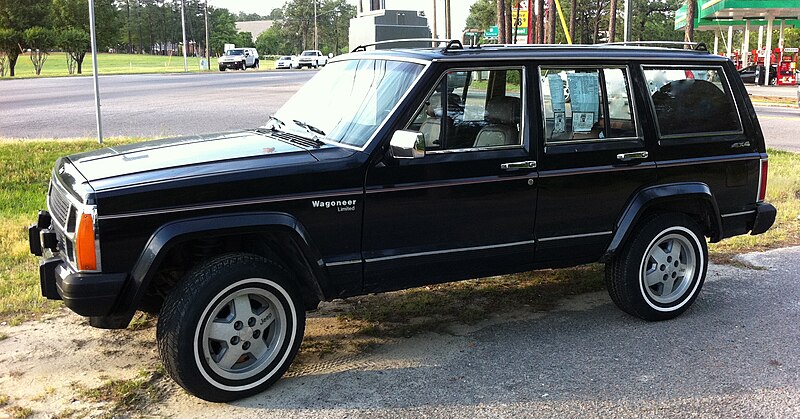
column 88, row 294
column 231, row 64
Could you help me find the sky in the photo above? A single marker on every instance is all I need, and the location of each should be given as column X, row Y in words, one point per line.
column 458, row 8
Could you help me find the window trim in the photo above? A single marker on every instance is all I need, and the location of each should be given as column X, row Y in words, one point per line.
column 635, row 115
column 691, row 135
column 523, row 108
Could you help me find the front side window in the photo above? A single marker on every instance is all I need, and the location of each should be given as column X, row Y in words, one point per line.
column 348, row 100
column 473, row 109
column 692, row 101
column 583, row 104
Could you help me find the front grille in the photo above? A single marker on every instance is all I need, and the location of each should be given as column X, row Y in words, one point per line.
column 59, row 204
column 296, row 139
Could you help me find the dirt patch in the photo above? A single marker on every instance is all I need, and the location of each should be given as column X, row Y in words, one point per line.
column 62, row 367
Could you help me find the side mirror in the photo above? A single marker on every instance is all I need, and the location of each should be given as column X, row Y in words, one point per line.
column 407, row 145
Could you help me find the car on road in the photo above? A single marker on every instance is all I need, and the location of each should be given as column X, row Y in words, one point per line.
column 284, row 61
column 311, row 58
column 748, row 74
column 402, row 168
column 239, row 59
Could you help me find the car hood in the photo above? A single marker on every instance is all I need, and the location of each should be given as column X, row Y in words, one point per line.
column 185, row 156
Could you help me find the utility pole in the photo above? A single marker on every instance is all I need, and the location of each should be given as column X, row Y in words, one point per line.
column 94, row 72
column 316, row 42
column 208, row 47
column 183, row 27
column 447, row 31
column 435, row 31
column 626, row 33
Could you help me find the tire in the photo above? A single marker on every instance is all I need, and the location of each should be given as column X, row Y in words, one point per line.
column 199, row 326
column 222, row 69
column 256, row 66
column 660, row 270
column 244, row 65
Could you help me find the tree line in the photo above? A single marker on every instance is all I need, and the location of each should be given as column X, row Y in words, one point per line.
column 596, row 21
column 154, row 27
column 588, row 21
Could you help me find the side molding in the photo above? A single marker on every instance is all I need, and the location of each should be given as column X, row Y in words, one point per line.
column 662, row 195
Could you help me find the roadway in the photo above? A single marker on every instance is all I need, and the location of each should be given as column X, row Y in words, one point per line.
column 149, row 105
column 155, row 105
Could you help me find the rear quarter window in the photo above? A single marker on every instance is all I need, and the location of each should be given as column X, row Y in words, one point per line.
column 692, row 101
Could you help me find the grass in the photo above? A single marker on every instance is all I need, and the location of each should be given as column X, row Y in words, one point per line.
column 783, row 191
column 127, row 396
column 56, row 65
column 19, row 412
column 772, row 99
column 437, row 307
column 26, row 167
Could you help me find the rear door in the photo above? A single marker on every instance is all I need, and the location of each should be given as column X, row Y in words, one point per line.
column 594, row 157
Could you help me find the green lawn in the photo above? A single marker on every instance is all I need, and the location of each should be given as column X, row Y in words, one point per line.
column 56, row 65
column 26, row 166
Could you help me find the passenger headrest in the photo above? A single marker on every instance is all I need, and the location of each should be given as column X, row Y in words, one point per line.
column 503, row 110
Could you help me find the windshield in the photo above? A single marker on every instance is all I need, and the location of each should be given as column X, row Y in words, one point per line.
column 349, row 100
column 307, row 53
column 234, row 52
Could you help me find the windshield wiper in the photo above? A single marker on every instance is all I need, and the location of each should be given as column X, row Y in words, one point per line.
column 308, row 127
column 272, row 126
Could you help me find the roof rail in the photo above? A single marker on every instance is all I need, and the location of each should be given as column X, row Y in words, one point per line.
column 697, row 46
column 451, row 43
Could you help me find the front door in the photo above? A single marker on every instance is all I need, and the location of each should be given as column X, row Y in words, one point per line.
column 466, row 208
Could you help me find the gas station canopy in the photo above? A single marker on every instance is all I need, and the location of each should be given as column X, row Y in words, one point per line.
column 713, row 14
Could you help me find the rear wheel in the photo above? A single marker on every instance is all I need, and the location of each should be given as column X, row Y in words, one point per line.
column 658, row 274
column 231, row 328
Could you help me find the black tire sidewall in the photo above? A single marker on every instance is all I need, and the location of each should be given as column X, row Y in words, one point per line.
column 191, row 370
column 637, row 300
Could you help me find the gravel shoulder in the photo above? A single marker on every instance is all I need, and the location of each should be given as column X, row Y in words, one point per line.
column 735, row 353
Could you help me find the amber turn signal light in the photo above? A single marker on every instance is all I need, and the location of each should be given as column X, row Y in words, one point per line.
column 85, row 251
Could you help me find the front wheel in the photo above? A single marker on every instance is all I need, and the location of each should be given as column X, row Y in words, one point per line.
column 231, row 328
column 660, row 271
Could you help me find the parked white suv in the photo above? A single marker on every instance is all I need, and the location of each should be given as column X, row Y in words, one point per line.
column 311, row 58
column 238, row 59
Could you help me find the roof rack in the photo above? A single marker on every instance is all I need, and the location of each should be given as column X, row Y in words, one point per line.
column 451, row 43
column 697, row 46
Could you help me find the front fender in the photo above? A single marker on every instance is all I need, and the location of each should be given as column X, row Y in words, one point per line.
column 660, row 196
column 174, row 233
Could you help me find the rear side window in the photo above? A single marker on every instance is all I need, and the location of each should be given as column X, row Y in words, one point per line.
column 692, row 101
column 586, row 104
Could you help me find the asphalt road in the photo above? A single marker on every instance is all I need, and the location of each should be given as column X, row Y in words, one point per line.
column 159, row 105
column 781, row 126
column 735, row 354
column 151, row 105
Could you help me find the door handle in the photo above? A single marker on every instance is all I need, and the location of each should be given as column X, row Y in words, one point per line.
column 519, row 165
column 636, row 155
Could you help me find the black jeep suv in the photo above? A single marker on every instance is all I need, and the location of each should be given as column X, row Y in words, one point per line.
column 397, row 168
